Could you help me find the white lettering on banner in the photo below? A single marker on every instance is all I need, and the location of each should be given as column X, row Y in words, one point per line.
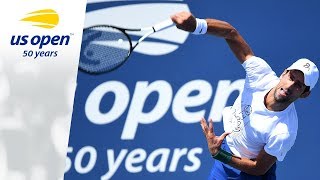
column 120, row 104
column 182, row 100
column 163, row 153
column 135, row 157
column 68, row 160
column 177, row 154
column 143, row 89
column 135, row 160
column 114, row 164
column 92, row 160
column 137, row 116
column 193, row 158
column 78, row 159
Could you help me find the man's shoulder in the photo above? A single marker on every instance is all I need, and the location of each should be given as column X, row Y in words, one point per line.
column 287, row 122
column 254, row 59
column 257, row 66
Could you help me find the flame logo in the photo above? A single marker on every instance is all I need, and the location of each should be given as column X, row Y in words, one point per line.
column 45, row 18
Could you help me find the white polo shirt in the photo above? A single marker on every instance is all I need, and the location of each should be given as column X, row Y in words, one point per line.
column 253, row 126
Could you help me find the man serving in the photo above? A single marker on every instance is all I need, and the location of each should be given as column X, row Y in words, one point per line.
column 261, row 126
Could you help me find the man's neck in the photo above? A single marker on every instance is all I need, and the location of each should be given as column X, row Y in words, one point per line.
column 271, row 103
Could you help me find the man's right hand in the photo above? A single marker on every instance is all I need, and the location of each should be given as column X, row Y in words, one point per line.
column 185, row 21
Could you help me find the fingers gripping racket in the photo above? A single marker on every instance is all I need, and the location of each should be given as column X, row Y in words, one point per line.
column 105, row 48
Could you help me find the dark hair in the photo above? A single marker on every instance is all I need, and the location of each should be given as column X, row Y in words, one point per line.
column 306, row 89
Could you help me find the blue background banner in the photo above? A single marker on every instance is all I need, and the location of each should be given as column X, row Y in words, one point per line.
column 142, row 120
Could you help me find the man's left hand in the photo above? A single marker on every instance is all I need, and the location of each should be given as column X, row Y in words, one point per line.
column 214, row 142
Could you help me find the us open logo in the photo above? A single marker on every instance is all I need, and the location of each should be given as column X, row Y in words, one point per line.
column 41, row 45
column 45, row 18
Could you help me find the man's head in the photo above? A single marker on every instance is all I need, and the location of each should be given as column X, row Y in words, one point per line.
column 297, row 81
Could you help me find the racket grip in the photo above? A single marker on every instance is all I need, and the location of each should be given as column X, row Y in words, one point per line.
column 163, row 24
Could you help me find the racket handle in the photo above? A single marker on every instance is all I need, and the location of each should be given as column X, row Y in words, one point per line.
column 162, row 25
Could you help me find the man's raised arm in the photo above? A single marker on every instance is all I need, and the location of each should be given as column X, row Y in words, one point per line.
column 187, row 22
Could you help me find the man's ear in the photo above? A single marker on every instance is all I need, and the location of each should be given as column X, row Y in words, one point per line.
column 305, row 94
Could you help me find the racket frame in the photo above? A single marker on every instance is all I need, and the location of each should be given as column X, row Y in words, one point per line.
column 123, row 30
column 150, row 30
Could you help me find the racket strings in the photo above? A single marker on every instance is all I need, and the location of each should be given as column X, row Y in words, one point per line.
column 103, row 49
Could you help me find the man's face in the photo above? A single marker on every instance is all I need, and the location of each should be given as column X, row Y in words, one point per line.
column 290, row 87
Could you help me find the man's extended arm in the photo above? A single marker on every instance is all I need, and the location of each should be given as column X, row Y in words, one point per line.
column 257, row 167
column 187, row 22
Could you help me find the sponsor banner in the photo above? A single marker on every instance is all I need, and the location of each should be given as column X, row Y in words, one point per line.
column 40, row 45
column 141, row 121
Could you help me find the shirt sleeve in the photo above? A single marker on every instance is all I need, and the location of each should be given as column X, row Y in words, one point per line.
column 259, row 74
column 280, row 144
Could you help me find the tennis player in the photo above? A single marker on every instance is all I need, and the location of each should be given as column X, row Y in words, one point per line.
column 261, row 126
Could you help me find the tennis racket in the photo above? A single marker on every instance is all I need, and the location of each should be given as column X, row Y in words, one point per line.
column 104, row 48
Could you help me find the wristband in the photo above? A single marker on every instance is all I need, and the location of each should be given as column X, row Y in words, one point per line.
column 201, row 27
column 223, row 156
